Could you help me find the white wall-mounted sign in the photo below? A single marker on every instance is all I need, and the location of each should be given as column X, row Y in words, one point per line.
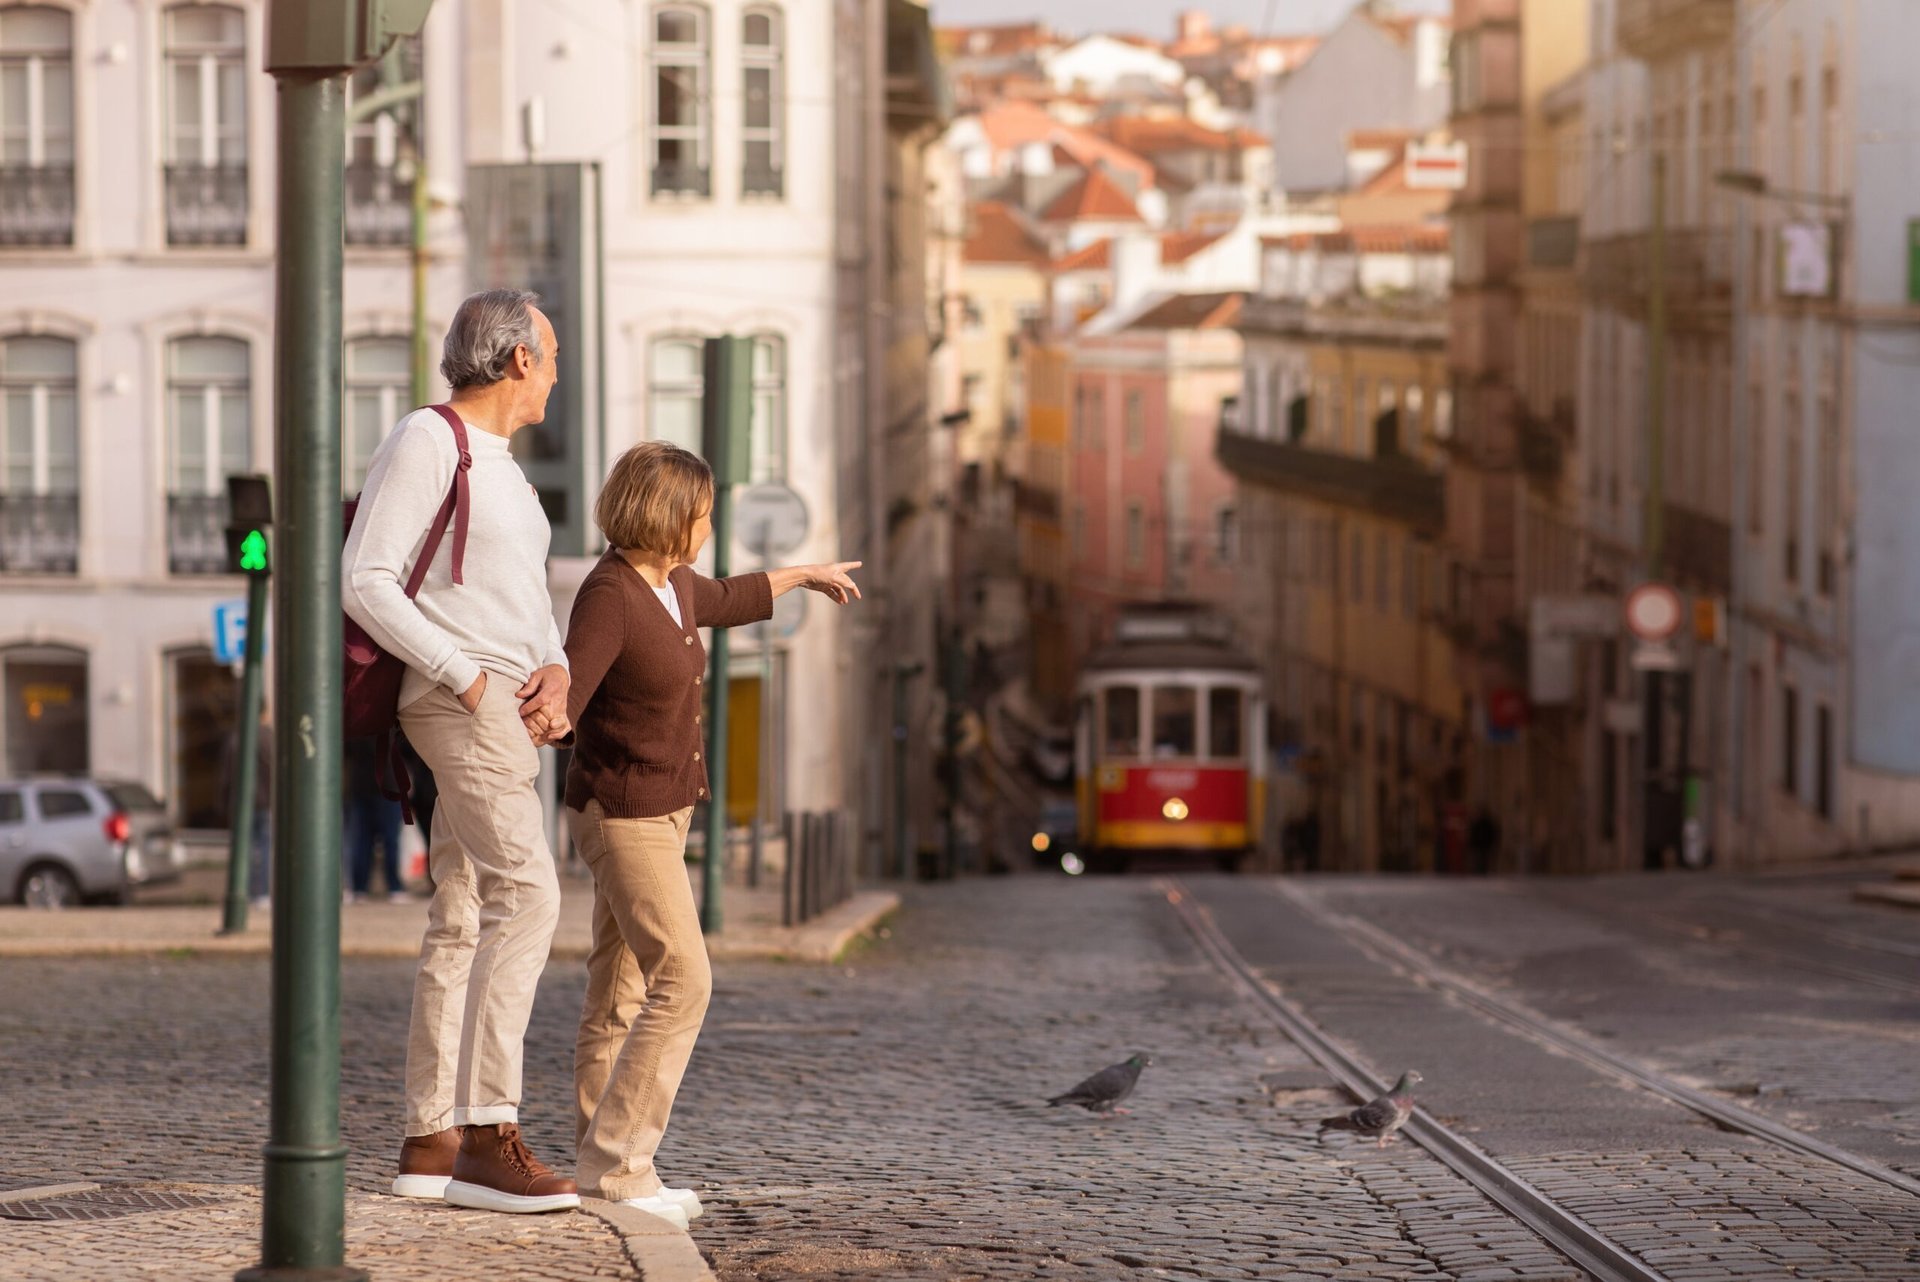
column 1806, row 260
column 1437, row 166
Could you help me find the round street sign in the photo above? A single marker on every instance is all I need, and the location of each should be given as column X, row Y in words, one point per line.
column 769, row 519
column 1653, row 612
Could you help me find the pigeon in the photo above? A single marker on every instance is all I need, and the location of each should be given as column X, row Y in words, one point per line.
column 1381, row 1118
column 1102, row 1092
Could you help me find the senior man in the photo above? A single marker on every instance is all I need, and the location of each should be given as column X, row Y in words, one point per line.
column 486, row 685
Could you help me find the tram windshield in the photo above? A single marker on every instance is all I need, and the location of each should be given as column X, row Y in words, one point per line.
column 1226, row 729
column 1120, row 722
column 1176, row 716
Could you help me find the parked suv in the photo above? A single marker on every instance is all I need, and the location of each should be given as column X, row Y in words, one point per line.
column 66, row 841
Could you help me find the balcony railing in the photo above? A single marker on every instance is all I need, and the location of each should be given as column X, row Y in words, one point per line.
column 206, row 204
column 197, row 533
column 762, row 180
column 1553, row 243
column 682, row 180
column 1659, row 28
column 1393, row 486
column 1699, row 548
column 39, row 533
column 379, row 207
column 36, row 205
column 1699, row 268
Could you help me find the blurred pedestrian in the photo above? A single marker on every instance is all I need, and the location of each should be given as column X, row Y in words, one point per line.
column 1483, row 840
column 485, row 688
column 372, row 820
column 638, row 768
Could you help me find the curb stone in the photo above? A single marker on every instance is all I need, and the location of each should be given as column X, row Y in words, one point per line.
column 661, row 1252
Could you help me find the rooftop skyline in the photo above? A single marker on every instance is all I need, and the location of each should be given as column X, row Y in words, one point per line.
column 1156, row 17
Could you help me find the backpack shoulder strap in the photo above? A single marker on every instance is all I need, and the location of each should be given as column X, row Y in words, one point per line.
column 457, row 506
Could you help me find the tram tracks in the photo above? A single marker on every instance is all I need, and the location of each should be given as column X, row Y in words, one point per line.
column 1580, row 1241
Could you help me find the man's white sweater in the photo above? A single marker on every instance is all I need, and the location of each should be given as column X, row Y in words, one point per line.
column 500, row 619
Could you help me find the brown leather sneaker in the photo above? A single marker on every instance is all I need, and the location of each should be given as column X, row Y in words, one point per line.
column 495, row 1172
column 426, row 1164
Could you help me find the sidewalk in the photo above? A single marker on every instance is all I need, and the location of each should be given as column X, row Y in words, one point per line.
column 750, row 927
column 206, row 1232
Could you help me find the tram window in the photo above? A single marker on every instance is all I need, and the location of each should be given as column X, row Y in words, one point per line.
column 1226, row 740
column 1122, row 719
column 1175, row 710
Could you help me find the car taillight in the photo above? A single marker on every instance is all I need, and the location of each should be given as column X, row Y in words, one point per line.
column 118, row 827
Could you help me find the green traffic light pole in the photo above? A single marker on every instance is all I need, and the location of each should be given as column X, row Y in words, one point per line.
column 303, row 1203
column 240, row 839
column 726, row 403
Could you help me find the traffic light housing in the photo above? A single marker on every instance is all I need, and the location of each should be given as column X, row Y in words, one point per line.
column 335, row 35
column 249, row 514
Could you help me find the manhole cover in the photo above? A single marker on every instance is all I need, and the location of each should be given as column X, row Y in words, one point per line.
column 104, row 1204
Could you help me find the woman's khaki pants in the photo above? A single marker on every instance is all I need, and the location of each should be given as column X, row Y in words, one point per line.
column 648, row 983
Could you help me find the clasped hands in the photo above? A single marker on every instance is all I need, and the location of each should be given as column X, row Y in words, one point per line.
column 543, row 704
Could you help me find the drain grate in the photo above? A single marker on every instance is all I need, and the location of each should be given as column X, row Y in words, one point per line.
column 104, row 1204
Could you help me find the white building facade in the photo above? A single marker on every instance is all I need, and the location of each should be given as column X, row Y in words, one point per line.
column 727, row 146
column 136, row 306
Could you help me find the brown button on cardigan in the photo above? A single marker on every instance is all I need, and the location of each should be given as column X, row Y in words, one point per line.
column 636, row 684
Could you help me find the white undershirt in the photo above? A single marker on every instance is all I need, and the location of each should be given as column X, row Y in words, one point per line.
column 670, row 599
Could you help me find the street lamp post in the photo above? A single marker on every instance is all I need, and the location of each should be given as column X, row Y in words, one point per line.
column 310, row 49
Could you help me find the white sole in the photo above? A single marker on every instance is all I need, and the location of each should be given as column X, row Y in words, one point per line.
column 432, row 1187
column 477, row 1197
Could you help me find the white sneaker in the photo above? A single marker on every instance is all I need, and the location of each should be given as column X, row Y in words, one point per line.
column 663, row 1208
column 688, row 1200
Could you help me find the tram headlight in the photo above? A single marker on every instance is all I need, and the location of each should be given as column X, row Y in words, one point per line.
column 1175, row 809
column 1041, row 842
column 1071, row 864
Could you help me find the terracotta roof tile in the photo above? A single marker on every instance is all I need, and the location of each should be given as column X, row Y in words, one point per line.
column 999, row 237
column 1012, row 125
column 1192, row 311
column 1097, row 257
column 1179, row 246
column 1148, row 137
column 1094, row 197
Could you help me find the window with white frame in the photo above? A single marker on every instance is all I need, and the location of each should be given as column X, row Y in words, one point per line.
column 763, row 117
column 379, row 385
column 677, row 380
column 206, row 125
column 36, row 126
column 1226, row 534
column 209, row 435
column 769, row 426
column 39, row 455
column 681, row 107
column 383, row 150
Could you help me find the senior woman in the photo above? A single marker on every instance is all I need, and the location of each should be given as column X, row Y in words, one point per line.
column 638, row 768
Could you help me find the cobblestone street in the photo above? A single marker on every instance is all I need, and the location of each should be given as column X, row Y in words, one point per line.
column 886, row 1117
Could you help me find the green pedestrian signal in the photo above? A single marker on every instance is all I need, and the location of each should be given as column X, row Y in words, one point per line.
column 246, row 550
column 253, row 552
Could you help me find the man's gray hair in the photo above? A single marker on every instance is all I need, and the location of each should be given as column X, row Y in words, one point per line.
column 486, row 329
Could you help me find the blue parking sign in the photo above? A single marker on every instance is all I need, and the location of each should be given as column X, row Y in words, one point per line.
column 230, row 631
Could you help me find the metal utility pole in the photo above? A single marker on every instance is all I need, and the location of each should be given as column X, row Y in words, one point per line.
column 1655, row 515
column 310, row 49
column 726, row 409
column 1659, row 798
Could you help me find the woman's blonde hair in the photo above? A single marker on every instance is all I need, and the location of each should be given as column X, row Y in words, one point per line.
column 653, row 495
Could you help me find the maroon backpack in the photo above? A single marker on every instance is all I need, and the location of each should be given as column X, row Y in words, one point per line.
column 371, row 688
